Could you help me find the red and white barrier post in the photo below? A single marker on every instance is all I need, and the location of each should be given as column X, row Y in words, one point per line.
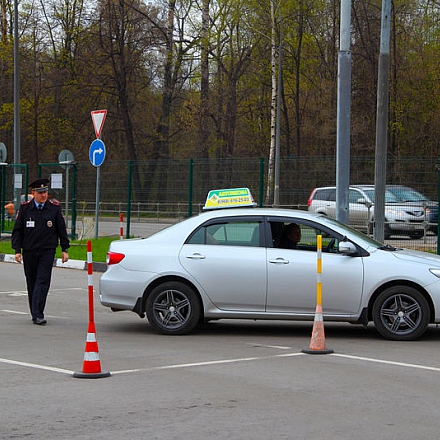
column 91, row 364
column 317, row 342
column 121, row 226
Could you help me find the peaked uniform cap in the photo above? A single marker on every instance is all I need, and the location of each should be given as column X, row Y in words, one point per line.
column 39, row 185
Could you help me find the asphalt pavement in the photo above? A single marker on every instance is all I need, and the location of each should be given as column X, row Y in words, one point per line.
column 241, row 380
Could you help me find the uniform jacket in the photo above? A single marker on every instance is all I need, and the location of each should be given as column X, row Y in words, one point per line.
column 39, row 229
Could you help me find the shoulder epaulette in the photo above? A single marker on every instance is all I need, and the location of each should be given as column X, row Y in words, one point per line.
column 26, row 202
column 54, row 202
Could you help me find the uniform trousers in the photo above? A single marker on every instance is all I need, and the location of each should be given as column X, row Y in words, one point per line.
column 38, row 271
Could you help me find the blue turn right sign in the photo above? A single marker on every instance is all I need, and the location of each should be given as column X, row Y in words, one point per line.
column 97, row 153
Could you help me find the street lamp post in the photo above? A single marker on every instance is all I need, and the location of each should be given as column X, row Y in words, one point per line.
column 17, row 149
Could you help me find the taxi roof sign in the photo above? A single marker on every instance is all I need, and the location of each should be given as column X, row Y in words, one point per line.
column 229, row 198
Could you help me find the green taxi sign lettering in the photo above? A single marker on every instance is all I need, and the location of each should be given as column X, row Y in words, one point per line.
column 229, row 198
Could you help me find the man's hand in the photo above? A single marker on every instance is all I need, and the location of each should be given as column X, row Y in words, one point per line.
column 64, row 257
column 18, row 258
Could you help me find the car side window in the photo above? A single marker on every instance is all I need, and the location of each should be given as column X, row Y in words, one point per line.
column 304, row 240
column 327, row 194
column 320, row 194
column 201, row 236
column 234, row 233
column 354, row 196
column 332, row 195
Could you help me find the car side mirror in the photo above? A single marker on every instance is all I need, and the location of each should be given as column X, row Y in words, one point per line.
column 365, row 202
column 347, row 248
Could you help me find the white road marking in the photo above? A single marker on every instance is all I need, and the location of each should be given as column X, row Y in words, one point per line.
column 382, row 361
column 16, row 293
column 223, row 361
column 15, row 312
column 277, row 347
column 39, row 367
column 24, row 292
column 201, row 364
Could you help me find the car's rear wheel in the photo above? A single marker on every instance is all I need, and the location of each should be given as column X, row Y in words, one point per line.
column 401, row 313
column 173, row 308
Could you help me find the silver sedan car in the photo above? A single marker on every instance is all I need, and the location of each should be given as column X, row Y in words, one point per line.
column 240, row 264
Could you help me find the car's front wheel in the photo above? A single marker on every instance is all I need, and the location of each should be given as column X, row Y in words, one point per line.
column 401, row 313
column 386, row 229
column 173, row 308
column 416, row 235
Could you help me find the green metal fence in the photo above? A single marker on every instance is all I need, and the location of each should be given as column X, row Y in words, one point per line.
column 177, row 189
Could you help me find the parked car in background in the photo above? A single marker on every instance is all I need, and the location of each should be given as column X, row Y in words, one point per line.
column 410, row 196
column 232, row 264
column 400, row 218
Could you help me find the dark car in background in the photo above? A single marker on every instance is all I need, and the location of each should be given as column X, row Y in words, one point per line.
column 409, row 195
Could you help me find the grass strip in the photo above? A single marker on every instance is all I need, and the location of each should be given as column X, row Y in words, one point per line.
column 77, row 250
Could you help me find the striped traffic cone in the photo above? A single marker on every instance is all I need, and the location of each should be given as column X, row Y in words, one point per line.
column 317, row 341
column 91, row 364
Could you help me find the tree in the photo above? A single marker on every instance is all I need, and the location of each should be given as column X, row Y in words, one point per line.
column 125, row 37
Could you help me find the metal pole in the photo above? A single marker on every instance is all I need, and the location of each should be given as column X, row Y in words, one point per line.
column 67, row 164
column 130, row 166
column 2, row 195
column 17, row 152
column 67, row 195
column 73, row 223
column 98, row 183
column 190, row 187
column 261, row 195
column 438, row 201
column 382, row 123
column 343, row 116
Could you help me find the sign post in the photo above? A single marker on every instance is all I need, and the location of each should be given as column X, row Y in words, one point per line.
column 65, row 159
column 97, row 156
column 3, row 155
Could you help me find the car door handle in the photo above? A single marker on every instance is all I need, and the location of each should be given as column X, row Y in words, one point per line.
column 279, row 261
column 196, row 257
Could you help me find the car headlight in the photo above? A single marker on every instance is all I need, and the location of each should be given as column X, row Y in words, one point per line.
column 394, row 213
column 435, row 272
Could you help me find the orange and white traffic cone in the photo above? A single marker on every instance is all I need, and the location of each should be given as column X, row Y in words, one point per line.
column 317, row 341
column 91, row 364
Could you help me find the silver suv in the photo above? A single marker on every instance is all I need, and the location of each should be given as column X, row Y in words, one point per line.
column 400, row 219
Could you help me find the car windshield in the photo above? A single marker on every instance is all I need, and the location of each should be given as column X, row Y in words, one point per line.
column 353, row 232
column 408, row 195
column 389, row 197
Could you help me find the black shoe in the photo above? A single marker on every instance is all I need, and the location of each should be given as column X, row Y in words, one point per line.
column 39, row 321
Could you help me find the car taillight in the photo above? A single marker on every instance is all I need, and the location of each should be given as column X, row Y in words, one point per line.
column 309, row 202
column 114, row 258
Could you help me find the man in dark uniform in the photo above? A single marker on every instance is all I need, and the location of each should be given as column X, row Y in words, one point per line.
column 38, row 229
